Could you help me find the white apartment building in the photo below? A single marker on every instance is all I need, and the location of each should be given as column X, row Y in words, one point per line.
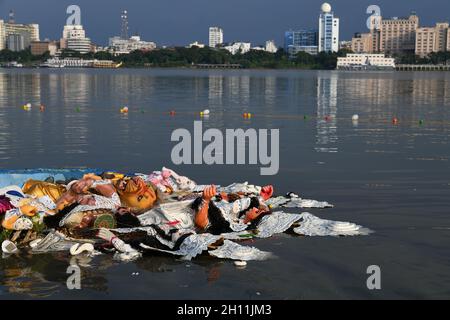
column 215, row 36
column 361, row 60
column 328, row 30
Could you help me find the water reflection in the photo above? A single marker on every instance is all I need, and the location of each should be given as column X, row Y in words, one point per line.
column 45, row 275
column 327, row 113
column 82, row 126
column 215, row 90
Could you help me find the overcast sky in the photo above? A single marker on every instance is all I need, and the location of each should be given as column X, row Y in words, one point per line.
column 179, row 22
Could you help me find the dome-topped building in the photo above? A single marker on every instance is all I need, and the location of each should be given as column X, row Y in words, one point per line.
column 326, row 7
column 328, row 30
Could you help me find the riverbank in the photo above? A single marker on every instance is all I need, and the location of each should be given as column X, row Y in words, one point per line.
column 188, row 57
column 208, row 58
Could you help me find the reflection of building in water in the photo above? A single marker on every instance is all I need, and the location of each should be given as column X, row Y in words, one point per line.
column 244, row 89
column 17, row 89
column 43, row 276
column 75, row 90
column 233, row 88
column 53, row 88
column 431, row 90
column 326, row 113
column 215, row 90
column 270, row 91
column 238, row 88
column 381, row 96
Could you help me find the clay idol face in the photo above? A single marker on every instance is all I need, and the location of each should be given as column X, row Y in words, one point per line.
column 135, row 193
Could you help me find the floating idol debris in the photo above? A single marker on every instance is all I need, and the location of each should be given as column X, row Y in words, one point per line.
column 89, row 212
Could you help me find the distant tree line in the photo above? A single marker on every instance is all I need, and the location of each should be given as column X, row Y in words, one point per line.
column 186, row 57
column 433, row 58
column 24, row 56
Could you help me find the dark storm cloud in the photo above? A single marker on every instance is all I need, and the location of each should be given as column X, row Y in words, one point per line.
column 183, row 21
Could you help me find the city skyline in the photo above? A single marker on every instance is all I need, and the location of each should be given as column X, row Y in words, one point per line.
column 102, row 19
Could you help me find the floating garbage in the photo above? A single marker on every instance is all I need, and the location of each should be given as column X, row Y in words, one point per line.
column 42, row 108
column 172, row 113
column 421, row 122
column 27, row 107
column 395, row 121
column 204, row 113
column 124, row 110
column 355, row 117
column 78, row 248
column 89, row 211
column 240, row 263
column 9, row 247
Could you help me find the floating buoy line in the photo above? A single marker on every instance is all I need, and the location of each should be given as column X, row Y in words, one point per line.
column 246, row 115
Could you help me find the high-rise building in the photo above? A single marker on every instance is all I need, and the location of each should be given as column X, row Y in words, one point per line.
column 305, row 40
column 215, row 36
column 30, row 32
column 442, row 30
column 328, row 30
column 431, row 39
column 15, row 42
column 398, row 35
column 2, row 35
column 74, row 38
column 425, row 41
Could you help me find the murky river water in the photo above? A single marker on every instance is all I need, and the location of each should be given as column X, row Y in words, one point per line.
column 394, row 179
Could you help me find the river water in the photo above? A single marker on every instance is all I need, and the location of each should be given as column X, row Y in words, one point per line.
column 391, row 178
